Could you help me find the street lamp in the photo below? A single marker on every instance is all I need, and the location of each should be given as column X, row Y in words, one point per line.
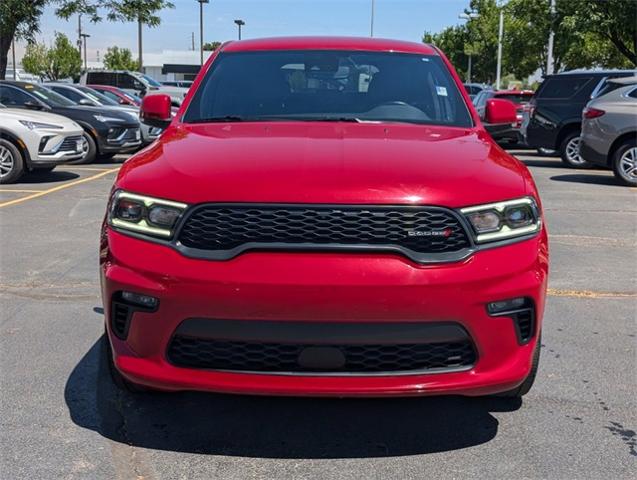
column 501, row 4
column 240, row 23
column 371, row 26
column 201, row 2
column 469, row 16
column 84, row 37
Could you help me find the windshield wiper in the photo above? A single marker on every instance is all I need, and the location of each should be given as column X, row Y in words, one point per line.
column 330, row 119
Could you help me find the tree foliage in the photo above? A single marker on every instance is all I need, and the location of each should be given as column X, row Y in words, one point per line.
column 211, row 46
column 62, row 60
column 588, row 33
column 18, row 19
column 117, row 58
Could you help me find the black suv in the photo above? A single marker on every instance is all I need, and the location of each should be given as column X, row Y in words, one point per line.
column 556, row 111
column 106, row 131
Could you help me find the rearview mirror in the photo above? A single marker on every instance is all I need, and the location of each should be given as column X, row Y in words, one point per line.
column 500, row 111
column 156, row 110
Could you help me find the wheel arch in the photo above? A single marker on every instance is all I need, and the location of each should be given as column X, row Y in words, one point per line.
column 618, row 142
column 19, row 144
column 566, row 130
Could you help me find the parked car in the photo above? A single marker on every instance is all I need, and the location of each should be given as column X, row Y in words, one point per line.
column 178, row 83
column 474, row 89
column 304, row 231
column 40, row 141
column 86, row 96
column 118, row 95
column 133, row 82
column 105, row 131
column 609, row 131
column 555, row 120
column 508, row 134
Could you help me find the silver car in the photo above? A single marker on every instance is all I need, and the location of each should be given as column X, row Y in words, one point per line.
column 609, row 130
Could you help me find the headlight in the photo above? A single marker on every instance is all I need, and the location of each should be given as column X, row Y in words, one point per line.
column 142, row 214
column 104, row 119
column 33, row 125
column 502, row 220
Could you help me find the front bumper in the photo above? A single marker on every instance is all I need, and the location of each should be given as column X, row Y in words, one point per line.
column 121, row 139
column 321, row 288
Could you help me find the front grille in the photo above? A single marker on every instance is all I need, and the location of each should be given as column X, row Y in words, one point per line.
column 70, row 144
column 190, row 352
column 423, row 230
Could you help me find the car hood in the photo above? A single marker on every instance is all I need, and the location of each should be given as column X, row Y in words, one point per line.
column 37, row 116
column 336, row 163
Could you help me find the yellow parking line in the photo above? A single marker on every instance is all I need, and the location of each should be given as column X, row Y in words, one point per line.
column 91, row 169
column 558, row 292
column 7, row 190
column 58, row 188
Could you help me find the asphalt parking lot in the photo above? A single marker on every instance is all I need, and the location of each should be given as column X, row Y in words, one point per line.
column 62, row 418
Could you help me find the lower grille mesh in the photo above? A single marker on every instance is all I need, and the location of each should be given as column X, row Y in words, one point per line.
column 281, row 358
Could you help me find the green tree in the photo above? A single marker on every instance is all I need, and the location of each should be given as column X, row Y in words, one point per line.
column 62, row 60
column 117, row 58
column 144, row 12
column 18, row 19
column 211, row 46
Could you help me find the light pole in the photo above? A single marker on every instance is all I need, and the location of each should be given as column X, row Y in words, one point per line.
column 498, row 74
column 240, row 23
column 469, row 16
column 371, row 26
column 84, row 37
column 79, row 34
column 201, row 2
column 549, row 53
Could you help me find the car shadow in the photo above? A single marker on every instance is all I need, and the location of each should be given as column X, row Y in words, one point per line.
column 275, row 427
column 48, row 177
column 589, row 179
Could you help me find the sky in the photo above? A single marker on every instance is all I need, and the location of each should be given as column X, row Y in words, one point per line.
column 400, row 19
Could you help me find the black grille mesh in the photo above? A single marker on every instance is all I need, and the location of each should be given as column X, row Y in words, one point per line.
column 69, row 144
column 217, row 227
column 272, row 357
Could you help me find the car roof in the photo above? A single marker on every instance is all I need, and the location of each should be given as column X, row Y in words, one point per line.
column 514, row 92
column 16, row 83
column 624, row 80
column 329, row 43
column 601, row 73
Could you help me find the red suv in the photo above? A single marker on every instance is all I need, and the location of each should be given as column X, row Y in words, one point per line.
column 324, row 216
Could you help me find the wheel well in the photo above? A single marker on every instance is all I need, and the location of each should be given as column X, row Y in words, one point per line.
column 19, row 144
column 618, row 143
column 566, row 130
column 89, row 131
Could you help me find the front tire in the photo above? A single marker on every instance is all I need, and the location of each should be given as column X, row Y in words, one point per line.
column 625, row 163
column 569, row 151
column 118, row 379
column 526, row 385
column 90, row 151
column 11, row 162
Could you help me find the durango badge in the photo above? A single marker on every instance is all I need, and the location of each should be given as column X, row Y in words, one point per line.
column 430, row 233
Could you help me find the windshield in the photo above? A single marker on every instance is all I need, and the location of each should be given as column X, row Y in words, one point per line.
column 96, row 96
column 518, row 98
column 51, row 98
column 151, row 81
column 329, row 85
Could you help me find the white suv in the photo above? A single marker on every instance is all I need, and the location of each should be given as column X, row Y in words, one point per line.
column 31, row 140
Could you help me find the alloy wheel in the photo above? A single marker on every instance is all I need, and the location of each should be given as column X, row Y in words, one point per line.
column 572, row 152
column 6, row 161
column 628, row 164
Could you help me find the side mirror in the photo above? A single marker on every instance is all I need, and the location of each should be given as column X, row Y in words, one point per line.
column 123, row 102
column 156, row 110
column 86, row 102
column 500, row 111
column 31, row 105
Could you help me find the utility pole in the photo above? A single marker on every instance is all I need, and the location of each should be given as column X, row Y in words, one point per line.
column 201, row 2
column 549, row 54
column 371, row 26
column 500, row 34
column 139, row 44
column 84, row 37
column 469, row 16
column 193, row 41
column 79, row 34
column 240, row 23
